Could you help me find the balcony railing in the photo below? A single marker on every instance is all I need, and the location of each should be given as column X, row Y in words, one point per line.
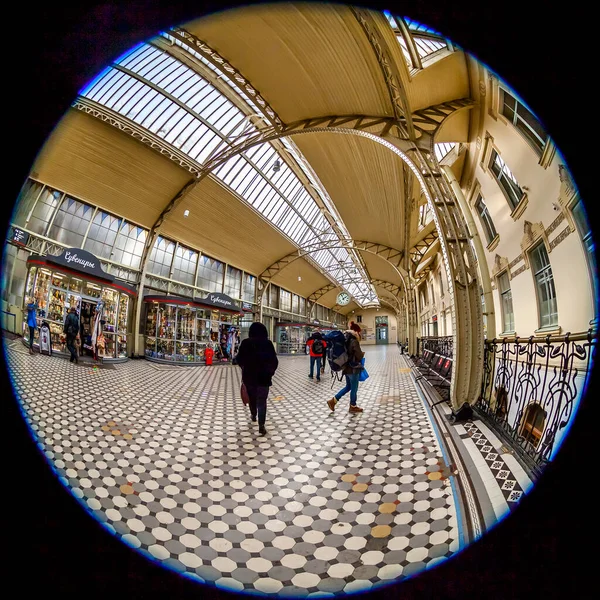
column 531, row 389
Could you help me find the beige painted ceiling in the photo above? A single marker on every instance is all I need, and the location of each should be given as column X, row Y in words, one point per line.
column 307, row 60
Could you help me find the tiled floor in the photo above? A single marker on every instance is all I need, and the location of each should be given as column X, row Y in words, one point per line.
column 326, row 503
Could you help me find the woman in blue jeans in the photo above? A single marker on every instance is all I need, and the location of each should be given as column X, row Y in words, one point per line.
column 351, row 369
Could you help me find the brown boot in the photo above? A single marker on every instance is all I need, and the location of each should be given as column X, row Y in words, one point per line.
column 331, row 403
column 355, row 409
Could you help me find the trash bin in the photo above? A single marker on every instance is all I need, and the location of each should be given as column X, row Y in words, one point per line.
column 208, row 356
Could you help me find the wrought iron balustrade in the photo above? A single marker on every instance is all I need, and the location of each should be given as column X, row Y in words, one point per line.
column 531, row 389
column 443, row 346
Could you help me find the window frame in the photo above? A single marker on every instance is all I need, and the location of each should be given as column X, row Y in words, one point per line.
column 536, row 280
column 501, row 293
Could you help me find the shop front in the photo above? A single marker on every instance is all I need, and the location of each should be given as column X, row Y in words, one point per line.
column 181, row 330
column 76, row 278
column 291, row 337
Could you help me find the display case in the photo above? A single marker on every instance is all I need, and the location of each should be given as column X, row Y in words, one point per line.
column 58, row 289
column 182, row 332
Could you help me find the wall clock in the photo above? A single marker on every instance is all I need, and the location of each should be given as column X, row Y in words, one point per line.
column 343, row 298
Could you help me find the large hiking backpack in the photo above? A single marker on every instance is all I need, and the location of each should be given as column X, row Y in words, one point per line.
column 317, row 346
column 337, row 350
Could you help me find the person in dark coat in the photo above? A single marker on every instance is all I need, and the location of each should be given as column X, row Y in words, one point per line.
column 259, row 362
column 351, row 369
column 71, row 329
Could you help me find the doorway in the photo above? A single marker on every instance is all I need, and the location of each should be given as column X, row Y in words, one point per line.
column 381, row 330
column 87, row 315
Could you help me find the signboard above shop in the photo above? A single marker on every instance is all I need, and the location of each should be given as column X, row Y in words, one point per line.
column 80, row 260
column 220, row 300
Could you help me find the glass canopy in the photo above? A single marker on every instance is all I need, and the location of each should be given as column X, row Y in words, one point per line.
column 162, row 94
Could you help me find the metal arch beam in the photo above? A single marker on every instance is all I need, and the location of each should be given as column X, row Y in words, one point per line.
column 389, row 70
column 391, row 255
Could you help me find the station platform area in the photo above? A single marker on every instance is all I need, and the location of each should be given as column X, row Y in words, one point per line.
column 327, row 503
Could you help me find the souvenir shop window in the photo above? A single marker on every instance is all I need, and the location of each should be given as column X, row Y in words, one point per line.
column 184, row 351
column 92, row 290
column 102, row 234
column 76, row 285
column 29, row 285
column 151, row 347
column 71, row 223
column 56, row 306
column 109, row 311
column 186, row 321
column 167, row 322
column 151, row 319
column 225, row 318
column 43, row 288
column 121, row 346
column 122, row 314
column 203, row 330
column 43, row 211
column 60, row 281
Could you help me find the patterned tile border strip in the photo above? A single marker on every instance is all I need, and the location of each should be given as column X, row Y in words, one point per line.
column 560, row 237
column 511, row 489
column 555, row 223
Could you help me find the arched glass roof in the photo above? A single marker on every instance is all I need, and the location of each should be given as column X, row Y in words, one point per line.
column 175, row 102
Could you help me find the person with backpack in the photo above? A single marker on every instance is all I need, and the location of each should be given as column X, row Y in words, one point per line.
column 258, row 361
column 71, row 329
column 316, row 345
column 349, row 363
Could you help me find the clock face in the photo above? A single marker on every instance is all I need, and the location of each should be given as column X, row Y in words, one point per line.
column 343, row 298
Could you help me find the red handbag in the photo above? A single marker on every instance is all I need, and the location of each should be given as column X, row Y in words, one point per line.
column 244, row 394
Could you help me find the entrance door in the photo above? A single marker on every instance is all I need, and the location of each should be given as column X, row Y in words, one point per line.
column 381, row 330
column 87, row 316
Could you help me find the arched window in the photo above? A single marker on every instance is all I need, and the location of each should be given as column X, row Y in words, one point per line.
column 532, row 425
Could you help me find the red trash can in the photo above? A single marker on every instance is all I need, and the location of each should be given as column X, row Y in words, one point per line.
column 208, row 355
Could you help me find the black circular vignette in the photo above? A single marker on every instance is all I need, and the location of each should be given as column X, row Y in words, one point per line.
column 542, row 550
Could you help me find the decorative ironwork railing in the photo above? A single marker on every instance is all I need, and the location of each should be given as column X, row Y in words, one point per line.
column 443, row 346
column 531, row 389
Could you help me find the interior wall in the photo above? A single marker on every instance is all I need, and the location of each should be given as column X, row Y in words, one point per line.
column 368, row 325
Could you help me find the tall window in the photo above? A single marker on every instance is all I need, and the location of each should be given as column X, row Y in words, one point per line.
column 129, row 245
column 161, row 257
column 102, row 234
column 29, row 193
column 285, row 300
column 508, row 315
column 43, row 210
column 524, row 120
column 583, row 227
column 249, row 287
column 544, row 283
column 184, row 265
column 210, row 274
column 233, row 281
column 295, row 303
column 486, row 219
column 506, row 180
column 71, row 223
column 441, row 276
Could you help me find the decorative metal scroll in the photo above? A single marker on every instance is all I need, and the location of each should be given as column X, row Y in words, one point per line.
column 443, row 345
column 531, row 389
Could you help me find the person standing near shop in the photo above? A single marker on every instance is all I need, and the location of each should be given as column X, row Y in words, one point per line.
column 32, row 308
column 71, row 330
column 259, row 362
column 316, row 346
column 351, row 369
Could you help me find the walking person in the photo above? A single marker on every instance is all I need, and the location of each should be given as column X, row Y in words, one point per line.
column 32, row 308
column 316, row 346
column 71, row 329
column 259, row 362
column 351, row 369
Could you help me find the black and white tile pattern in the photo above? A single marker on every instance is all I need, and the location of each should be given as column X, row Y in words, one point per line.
column 170, row 462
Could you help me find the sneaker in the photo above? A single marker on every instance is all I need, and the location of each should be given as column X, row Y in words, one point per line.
column 262, row 430
column 355, row 409
column 331, row 403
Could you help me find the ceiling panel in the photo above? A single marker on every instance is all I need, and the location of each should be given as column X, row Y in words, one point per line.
column 307, row 59
column 379, row 268
column 364, row 180
column 99, row 164
column 222, row 226
column 311, row 278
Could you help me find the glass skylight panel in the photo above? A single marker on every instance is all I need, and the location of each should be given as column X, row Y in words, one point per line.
column 443, row 149
column 168, row 98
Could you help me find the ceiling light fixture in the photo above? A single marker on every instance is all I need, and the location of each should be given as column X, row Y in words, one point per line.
column 276, row 165
column 186, row 213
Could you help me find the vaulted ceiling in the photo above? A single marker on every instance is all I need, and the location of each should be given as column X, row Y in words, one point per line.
column 307, row 61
